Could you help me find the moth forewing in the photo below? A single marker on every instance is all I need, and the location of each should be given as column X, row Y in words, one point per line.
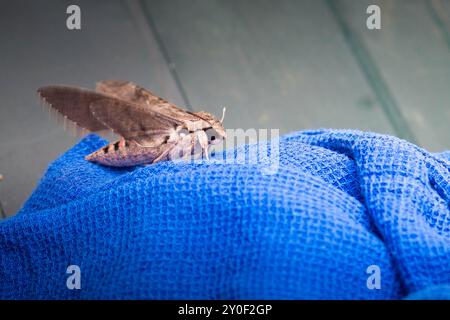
column 73, row 103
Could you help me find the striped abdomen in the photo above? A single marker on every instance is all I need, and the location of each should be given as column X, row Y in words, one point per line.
column 124, row 153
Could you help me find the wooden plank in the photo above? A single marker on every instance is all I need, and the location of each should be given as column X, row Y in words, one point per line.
column 440, row 13
column 37, row 49
column 274, row 65
column 412, row 53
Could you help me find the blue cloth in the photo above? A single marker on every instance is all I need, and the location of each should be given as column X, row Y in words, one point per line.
column 340, row 203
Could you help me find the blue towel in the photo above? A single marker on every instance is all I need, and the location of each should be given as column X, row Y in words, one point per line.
column 346, row 215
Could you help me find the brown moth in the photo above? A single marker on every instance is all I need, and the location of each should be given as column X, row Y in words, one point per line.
column 151, row 128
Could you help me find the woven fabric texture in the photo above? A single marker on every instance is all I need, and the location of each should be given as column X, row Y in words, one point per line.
column 340, row 206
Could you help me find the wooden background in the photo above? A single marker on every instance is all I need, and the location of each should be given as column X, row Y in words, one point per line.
column 287, row 64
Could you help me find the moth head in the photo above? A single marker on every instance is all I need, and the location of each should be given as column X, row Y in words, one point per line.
column 215, row 124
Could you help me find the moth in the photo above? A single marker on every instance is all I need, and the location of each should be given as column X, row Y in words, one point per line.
column 151, row 128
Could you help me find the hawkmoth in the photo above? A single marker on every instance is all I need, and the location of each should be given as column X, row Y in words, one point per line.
column 151, row 128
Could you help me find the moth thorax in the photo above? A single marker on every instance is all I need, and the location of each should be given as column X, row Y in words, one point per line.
column 192, row 126
column 177, row 134
column 183, row 132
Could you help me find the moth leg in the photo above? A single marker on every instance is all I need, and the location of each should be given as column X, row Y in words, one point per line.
column 122, row 143
column 203, row 140
column 164, row 153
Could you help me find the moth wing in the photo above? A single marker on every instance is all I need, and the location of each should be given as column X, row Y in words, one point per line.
column 131, row 92
column 133, row 121
column 124, row 90
column 73, row 103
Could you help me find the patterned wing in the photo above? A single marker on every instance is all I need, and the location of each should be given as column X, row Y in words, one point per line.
column 134, row 122
column 129, row 91
column 73, row 103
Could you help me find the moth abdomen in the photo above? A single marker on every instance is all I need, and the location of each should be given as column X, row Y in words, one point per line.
column 123, row 153
column 110, row 153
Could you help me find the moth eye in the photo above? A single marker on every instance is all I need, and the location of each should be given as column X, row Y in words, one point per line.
column 213, row 136
column 105, row 149
column 116, row 146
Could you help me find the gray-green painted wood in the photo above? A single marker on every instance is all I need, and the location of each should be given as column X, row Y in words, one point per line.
column 281, row 64
column 413, row 57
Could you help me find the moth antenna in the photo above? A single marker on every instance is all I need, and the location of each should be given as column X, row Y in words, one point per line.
column 223, row 114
